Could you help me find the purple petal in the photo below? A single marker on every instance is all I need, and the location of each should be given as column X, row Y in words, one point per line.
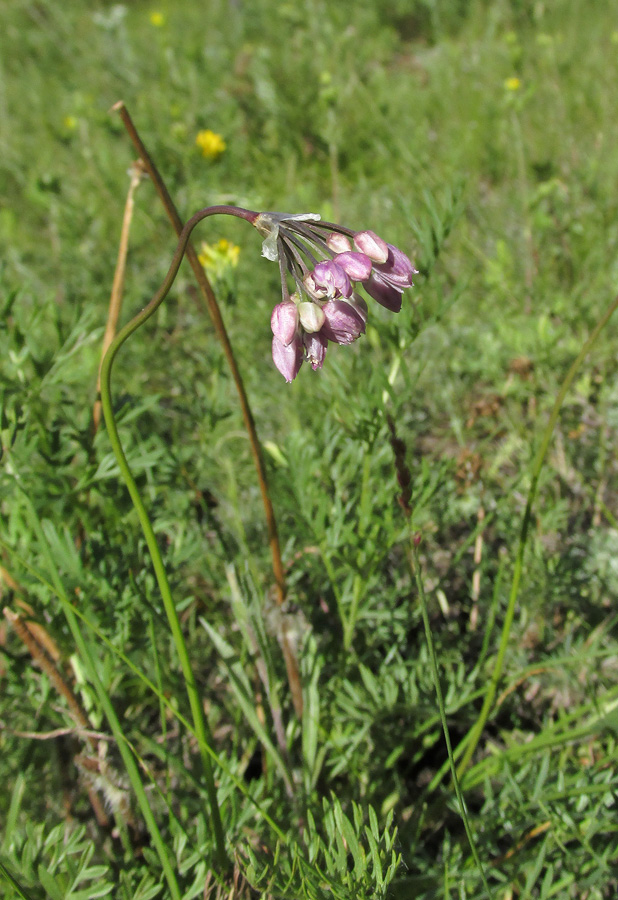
column 397, row 270
column 373, row 246
column 358, row 303
column 357, row 265
column 315, row 347
column 288, row 359
column 343, row 323
column 387, row 295
column 284, row 321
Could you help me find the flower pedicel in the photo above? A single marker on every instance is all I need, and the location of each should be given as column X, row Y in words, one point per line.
column 325, row 307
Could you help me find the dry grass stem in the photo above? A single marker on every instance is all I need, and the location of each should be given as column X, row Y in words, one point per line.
column 476, row 577
column 29, row 633
column 115, row 301
column 40, row 656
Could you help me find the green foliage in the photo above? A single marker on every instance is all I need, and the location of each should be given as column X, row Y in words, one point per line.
column 57, row 864
column 481, row 138
column 341, row 858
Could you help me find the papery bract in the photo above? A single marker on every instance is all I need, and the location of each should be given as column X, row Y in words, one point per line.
column 343, row 323
column 267, row 223
column 288, row 359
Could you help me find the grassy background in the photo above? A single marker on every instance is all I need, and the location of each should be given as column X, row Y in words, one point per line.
column 399, row 117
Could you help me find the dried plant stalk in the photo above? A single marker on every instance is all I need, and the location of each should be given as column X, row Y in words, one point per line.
column 115, row 301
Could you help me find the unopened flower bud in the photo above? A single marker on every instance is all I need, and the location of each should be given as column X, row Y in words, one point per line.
column 311, row 316
column 343, row 323
column 284, row 321
column 373, row 246
column 338, row 243
column 356, row 265
column 288, row 358
column 315, row 348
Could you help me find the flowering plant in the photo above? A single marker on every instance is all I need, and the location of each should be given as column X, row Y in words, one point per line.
column 325, row 261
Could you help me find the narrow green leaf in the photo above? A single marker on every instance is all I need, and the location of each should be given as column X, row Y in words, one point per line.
column 49, row 883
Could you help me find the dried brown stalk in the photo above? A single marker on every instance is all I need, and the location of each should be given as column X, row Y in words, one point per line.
column 476, row 577
column 27, row 633
column 115, row 301
column 39, row 655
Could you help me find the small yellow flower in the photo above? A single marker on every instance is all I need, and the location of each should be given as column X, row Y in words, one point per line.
column 512, row 84
column 211, row 144
column 157, row 19
column 218, row 258
column 70, row 123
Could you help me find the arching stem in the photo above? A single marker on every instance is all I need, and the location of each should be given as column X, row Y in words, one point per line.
column 195, row 702
column 217, row 320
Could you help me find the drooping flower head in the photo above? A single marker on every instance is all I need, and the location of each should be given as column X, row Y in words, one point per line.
column 325, row 261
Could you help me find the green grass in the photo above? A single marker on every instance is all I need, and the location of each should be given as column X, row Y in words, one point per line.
column 395, row 116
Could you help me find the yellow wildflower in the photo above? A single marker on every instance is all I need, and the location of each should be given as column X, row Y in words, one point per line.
column 70, row 123
column 157, row 19
column 512, row 84
column 219, row 258
column 211, row 144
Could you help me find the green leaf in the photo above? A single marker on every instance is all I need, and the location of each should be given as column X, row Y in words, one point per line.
column 50, row 884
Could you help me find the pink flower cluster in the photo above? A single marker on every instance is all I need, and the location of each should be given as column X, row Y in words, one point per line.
column 326, row 307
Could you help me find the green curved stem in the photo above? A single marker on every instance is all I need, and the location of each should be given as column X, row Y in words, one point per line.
column 416, row 565
column 474, row 735
column 199, row 721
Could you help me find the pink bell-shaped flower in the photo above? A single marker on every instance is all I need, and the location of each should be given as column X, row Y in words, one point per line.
column 315, row 348
column 343, row 323
column 288, row 358
column 397, row 270
column 284, row 321
column 356, row 265
column 371, row 245
column 338, row 243
column 328, row 280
